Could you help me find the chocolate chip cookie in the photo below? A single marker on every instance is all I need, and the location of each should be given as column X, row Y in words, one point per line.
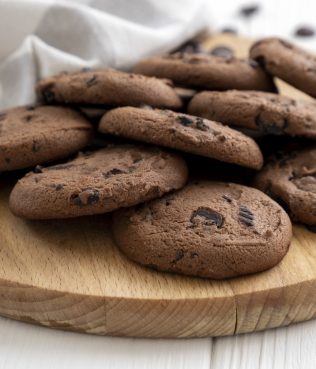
column 290, row 179
column 288, row 62
column 183, row 132
column 32, row 135
column 108, row 87
column 262, row 111
column 97, row 182
column 207, row 72
column 207, row 229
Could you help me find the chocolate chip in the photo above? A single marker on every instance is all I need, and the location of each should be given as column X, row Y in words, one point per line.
column 91, row 81
column 227, row 198
column 211, row 217
column 38, row 169
column 185, row 121
column 270, row 128
column 179, row 255
column 304, row 31
column 88, row 196
column 85, row 69
column 48, row 96
column 193, row 255
column 249, row 10
column 28, row 118
column 246, row 216
column 191, row 46
column 35, row 147
column 228, row 30
column 222, row 51
column 201, row 125
column 2, row 116
column 59, row 187
column 311, row 228
column 30, row 107
column 112, row 172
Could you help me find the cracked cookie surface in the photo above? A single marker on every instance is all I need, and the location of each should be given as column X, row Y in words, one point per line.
column 32, row 135
column 262, row 111
column 291, row 181
column 183, row 132
column 207, row 229
column 108, row 87
column 97, row 182
column 207, row 72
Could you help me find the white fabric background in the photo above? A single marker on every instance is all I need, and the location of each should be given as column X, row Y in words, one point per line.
column 39, row 38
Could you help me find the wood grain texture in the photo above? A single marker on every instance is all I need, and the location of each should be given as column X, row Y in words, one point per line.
column 68, row 274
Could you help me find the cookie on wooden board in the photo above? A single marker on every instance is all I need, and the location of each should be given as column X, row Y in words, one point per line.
column 183, row 132
column 262, row 111
column 291, row 180
column 207, row 229
column 108, row 87
column 32, row 135
column 209, row 72
column 98, row 182
column 290, row 63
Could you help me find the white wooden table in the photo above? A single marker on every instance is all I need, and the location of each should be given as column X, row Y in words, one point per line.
column 25, row 346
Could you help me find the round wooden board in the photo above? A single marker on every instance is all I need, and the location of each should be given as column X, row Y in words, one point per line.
column 68, row 274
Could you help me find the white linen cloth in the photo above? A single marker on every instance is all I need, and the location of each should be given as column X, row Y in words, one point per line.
column 39, row 38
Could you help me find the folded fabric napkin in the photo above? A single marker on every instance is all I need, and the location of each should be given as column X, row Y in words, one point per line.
column 39, row 38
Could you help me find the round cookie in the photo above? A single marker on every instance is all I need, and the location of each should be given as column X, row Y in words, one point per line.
column 288, row 62
column 183, row 132
column 208, row 229
column 291, row 181
column 97, row 182
column 108, row 87
column 262, row 111
column 207, row 72
column 32, row 135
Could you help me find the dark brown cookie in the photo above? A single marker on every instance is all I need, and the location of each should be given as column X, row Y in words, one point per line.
column 108, row 87
column 34, row 135
column 288, row 62
column 183, row 132
column 291, row 180
column 208, row 229
column 263, row 111
column 207, row 72
column 98, row 182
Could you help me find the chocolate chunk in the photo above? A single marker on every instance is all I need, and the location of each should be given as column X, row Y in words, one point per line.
column 88, row 196
column 30, row 107
column 112, row 172
column 48, row 96
column 246, row 216
column 201, row 125
column 229, row 30
column 185, row 121
column 270, row 128
column 227, row 198
column 35, row 146
column 211, row 217
column 59, row 187
column 249, row 10
column 92, row 81
column 222, row 51
column 179, row 255
column 304, row 31
column 38, row 169
column 28, row 118
column 191, row 46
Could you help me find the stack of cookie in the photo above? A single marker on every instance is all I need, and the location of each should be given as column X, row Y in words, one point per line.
column 164, row 217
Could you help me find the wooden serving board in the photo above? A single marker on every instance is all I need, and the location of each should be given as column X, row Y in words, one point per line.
column 68, row 274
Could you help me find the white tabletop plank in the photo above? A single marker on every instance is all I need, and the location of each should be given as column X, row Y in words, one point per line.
column 293, row 347
column 25, row 346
